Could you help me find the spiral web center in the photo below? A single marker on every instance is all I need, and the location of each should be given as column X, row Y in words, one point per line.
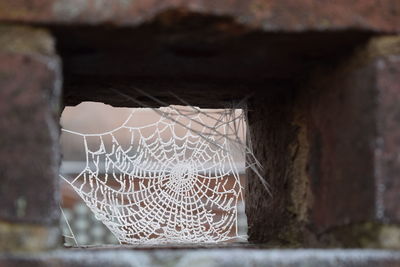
column 183, row 177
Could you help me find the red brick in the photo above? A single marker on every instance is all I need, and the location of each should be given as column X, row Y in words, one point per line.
column 375, row 15
column 354, row 136
column 29, row 155
column 341, row 133
column 346, row 171
column 387, row 147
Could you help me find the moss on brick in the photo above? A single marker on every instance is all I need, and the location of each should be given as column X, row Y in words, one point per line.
column 25, row 40
column 365, row 235
column 18, row 237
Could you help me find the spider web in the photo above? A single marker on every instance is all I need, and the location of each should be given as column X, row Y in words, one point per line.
column 174, row 181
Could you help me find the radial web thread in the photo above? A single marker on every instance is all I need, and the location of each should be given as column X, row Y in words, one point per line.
column 169, row 181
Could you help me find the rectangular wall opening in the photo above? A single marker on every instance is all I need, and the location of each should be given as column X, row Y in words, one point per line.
column 159, row 64
column 142, row 176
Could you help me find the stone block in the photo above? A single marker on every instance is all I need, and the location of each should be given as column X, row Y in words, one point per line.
column 30, row 88
column 102, row 257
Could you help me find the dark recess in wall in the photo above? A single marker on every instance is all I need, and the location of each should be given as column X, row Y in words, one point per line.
column 208, row 61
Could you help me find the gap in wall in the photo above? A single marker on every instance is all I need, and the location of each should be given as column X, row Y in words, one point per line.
column 94, row 118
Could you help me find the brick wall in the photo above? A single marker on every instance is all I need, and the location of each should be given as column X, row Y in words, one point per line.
column 321, row 79
column 330, row 153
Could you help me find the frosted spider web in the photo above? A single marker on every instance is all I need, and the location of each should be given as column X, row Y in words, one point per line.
column 174, row 181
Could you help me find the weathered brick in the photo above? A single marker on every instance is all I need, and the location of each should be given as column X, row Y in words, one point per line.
column 271, row 15
column 341, row 134
column 272, row 216
column 17, row 237
column 205, row 258
column 330, row 154
column 354, row 135
column 30, row 86
column 387, row 145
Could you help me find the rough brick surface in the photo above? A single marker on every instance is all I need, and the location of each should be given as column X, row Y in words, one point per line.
column 17, row 237
column 269, row 15
column 206, row 258
column 387, row 145
column 273, row 136
column 330, row 154
column 29, row 155
column 354, row 139
column 341, row 135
